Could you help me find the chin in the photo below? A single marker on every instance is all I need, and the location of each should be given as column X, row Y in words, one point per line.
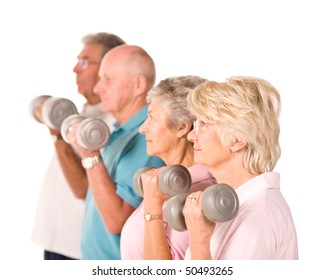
column 149, row 153
column 197, row 160
column 105, row 108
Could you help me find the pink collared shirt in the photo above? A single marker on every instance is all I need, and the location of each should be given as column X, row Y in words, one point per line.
column 263, row 227
column 132, row 236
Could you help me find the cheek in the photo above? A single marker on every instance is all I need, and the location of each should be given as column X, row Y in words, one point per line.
column 90, row 78
column 161, row 140
column 156, row 135
column 209, row 148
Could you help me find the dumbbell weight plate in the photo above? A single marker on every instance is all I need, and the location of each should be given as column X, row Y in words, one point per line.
column 173, row 212
column 137, row 183
column 67, row 123
column 55, row 110
column 93, row 134
column 219, row 203
column 35, row 102
column 174, row 179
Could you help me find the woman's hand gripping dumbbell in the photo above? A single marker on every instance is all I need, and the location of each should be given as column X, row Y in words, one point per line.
column 172, row 179
column 51, row 111
column 218, row 203
column 91, row 134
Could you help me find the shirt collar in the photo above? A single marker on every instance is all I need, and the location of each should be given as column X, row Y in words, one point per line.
column 267, row 180
column 201, row 173
column 134, row 122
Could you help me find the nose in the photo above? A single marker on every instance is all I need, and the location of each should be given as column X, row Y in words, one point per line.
column 143, row 128
column 191, row 136
column 76, row 68
column 97, row 88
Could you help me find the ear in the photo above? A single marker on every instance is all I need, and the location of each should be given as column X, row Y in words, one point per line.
column 184, row 129
column 141, row 84
column 237, row 146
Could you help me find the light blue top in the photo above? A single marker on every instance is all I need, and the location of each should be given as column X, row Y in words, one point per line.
column 123, row 156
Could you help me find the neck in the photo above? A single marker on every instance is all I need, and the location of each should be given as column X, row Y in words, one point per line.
column 232, row 173
column 93, row 99
column 183, row 154
column 128, row 111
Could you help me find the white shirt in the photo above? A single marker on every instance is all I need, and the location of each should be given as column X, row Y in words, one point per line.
column 59, row 215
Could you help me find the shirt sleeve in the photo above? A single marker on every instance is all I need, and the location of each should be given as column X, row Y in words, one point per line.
column 133, row 158
column 178, row 242
column 253, row 238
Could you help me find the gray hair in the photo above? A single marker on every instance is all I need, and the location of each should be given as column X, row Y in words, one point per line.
column 173, row 92
column 107, row 40
column 246, row 109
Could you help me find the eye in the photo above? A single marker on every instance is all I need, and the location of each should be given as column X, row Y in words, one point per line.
column 203, row 124
column 83, row 62
column 150, row 119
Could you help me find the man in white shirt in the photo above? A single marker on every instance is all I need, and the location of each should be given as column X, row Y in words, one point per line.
column 58, row 222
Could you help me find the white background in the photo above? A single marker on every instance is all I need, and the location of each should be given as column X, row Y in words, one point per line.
column 281, row 41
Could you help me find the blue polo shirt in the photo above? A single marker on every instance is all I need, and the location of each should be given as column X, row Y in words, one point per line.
column 123, row 156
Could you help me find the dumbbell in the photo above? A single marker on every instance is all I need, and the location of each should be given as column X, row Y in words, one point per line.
column 53, row 110
column 92, row 134
column 172, row 180
column 219, row 204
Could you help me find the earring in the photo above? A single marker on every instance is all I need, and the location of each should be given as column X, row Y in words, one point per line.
column 178, row 135
column 232, row 149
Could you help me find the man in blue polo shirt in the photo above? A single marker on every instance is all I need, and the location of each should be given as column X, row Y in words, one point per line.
column 126, row 75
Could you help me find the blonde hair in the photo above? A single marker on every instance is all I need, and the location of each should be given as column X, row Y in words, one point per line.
column 246, row 109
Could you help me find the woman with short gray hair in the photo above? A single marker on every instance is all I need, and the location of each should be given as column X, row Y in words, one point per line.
column 146, row 234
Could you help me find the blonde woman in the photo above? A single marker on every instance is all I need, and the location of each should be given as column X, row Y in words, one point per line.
column 236, row 136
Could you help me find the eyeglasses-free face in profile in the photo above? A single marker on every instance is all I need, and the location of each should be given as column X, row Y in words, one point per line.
column 84, row 62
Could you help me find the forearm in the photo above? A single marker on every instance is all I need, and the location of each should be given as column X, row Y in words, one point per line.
column 112, row 208
column 200, row 251
column 200, row 229
column 156, row 246
column 72, row 169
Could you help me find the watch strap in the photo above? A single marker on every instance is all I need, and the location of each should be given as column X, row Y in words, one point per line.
column 90, row 162
column 149, row 217
column 56, row 138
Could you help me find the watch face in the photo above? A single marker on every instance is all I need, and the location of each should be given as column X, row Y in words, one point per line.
column 55, row 138
column 148, row 217
column 87, row 163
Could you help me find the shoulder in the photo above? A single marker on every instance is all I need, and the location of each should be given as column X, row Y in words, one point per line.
column 200, row 173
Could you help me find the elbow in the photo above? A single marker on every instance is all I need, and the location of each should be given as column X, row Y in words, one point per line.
column 115, row 227
column 79, row 191
column 80, row 195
